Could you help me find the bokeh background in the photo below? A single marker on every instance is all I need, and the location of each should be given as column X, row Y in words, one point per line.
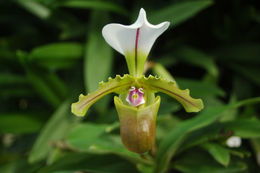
column 53, row 50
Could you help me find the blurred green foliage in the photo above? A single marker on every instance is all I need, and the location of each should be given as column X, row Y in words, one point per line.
column 52, row 50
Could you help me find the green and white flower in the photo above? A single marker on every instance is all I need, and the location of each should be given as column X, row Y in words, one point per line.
column 134, row 41
column 136, row 105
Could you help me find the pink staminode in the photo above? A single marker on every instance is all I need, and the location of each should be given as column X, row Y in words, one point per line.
column 135, row 96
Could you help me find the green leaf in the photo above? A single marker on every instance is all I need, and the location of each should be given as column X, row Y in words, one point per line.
column 117, row 85
column 203, row 163
column 180, row 12
column 218, row 152
column 82, row 162
column 96, row 138
column 255, row 143
column 200, row 136
column 250, row 72
column 161, row 71
column 12, row 79
column 166, row 60
column 13, row 85
column 20, row 165
column 57, row 55
column 199, row 88
column 92, row 133
column 175, row 137
column 55, row 129
column 19, row 123
column 16, row 92
column 242, row 52
column 170, row 144
column 97, row 53
column 244, row 128
column 164, row 124
column 197, row 58
column 35, row 8
column 97, row 5
column 170, row 88
column 144, row 168
column 46, row 84
column 168, row 105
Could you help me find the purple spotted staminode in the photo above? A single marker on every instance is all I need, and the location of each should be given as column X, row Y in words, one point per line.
column 135, row 96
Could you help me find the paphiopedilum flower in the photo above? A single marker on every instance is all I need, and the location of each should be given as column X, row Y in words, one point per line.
column 136, row 105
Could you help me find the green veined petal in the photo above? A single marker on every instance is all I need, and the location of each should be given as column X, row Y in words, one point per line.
column 169, row 87
column 118, row 85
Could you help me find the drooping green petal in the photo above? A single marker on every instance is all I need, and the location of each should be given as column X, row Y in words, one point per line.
column 169, row 87
column 118, row 85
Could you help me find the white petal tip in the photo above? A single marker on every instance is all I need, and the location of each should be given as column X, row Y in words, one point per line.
column 167, row 24
column 142, row 12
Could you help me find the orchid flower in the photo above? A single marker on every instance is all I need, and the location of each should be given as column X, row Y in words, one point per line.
column 136, row 105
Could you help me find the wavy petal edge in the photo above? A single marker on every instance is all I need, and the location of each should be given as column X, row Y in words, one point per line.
column 117, row 85
column 158, row 84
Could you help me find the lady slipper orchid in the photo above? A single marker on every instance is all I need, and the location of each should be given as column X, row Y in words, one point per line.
column 136, row 105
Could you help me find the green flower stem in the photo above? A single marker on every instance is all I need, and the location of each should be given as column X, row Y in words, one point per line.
column 135, row 63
